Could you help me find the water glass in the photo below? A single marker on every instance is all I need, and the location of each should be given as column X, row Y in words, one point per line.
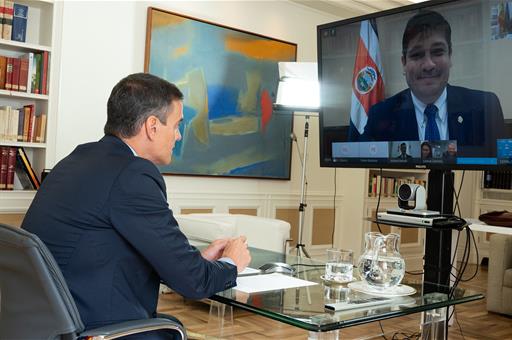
column 339, row 265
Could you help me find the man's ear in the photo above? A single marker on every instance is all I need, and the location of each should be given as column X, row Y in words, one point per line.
column 150, row 127
column 403, row 62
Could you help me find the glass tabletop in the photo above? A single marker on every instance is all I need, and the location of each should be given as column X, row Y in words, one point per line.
column 304, row 307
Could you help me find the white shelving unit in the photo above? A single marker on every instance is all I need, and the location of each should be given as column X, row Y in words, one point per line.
column 43, row 34
column 412, row 240
column 487, row 200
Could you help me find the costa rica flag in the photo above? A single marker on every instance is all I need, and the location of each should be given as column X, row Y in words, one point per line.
column 367, row 80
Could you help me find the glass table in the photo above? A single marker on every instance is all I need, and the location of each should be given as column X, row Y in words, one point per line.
column 304, row 307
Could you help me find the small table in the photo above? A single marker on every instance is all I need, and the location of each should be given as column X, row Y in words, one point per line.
column 304, row 307
column 477, row 225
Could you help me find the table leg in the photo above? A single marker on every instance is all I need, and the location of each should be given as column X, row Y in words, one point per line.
column 433, row 325
column 332, row 335
column 220, row 318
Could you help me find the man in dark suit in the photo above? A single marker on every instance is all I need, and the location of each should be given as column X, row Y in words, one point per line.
column 103, row 213
column 403, row 153
column 431, row 109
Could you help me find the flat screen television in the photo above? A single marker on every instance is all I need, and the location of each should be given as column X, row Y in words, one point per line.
column 422, row 86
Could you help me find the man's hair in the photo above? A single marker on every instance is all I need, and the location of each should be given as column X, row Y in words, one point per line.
column 134, row 99
column 425, row 23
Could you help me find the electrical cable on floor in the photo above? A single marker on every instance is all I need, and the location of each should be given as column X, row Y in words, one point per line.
column 382, row 330
column 460, row 328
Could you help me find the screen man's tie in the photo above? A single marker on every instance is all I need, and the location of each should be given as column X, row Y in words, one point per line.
column 431, row 131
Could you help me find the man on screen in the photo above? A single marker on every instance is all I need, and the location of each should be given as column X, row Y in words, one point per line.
column 403, row 152
column 431, row 109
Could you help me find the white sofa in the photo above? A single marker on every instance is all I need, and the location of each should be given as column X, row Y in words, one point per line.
column 265, row 233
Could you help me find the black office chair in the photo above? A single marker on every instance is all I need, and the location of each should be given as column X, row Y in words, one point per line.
column 35, row 302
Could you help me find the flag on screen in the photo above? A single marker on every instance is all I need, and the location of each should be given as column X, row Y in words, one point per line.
column 367, row 81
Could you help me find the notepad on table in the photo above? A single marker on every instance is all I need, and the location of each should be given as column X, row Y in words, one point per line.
column 267, row 282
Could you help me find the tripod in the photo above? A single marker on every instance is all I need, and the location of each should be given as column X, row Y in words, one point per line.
column 301, row 247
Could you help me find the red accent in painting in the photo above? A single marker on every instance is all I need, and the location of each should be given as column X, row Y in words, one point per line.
column 266, row 109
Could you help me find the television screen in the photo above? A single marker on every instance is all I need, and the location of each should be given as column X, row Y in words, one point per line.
column 426, row 85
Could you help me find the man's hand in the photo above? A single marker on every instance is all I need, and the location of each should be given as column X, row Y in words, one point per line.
column 236, row 249
column 214, row 251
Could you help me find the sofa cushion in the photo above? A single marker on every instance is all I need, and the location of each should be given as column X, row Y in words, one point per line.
column 264, row 233
column 507, row 278
column 203, row 229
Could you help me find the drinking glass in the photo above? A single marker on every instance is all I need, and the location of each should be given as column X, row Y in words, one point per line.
column 339, row 265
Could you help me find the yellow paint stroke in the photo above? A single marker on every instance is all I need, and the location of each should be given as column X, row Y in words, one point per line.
column 248, row 100
column 260, row 49
column 247, row 157
column 160, row 19
column 193, row 84
column 235, row 125
column 180, row 51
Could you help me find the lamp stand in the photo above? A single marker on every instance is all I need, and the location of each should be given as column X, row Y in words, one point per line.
column 301, row 247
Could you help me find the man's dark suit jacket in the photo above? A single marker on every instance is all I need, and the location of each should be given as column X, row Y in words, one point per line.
column 103, row 214
column 475, row 120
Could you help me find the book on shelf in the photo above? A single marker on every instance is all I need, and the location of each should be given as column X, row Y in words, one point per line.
column 44, row 72
column 11, row 163
column 9, row 124
column 3, row 66
column 8, row 10
column 21, row 122
column 3, row 166
column 36, row 73
column 15, row 74
column 2, row 5
column 8, row 73
column 27, row 167
column 19, row 22
column 23, row 78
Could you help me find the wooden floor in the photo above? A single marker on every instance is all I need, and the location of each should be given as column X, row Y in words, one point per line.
column 475, row 321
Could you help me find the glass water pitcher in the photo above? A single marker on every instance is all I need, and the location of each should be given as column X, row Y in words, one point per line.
column 381, row 264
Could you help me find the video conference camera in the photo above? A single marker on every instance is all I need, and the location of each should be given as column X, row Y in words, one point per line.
column 414, row 193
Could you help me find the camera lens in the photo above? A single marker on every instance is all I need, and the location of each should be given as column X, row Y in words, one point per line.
column 404, row 192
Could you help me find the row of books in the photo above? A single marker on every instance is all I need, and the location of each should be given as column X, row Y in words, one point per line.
column 390, row 185
column 497, row 179
column 28, row 73
column 22, row 125
column 14, row 20
column 16, row 170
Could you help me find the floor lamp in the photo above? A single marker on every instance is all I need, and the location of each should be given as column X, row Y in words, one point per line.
column 298, row 92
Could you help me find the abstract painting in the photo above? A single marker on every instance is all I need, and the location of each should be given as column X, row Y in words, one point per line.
column 229, row 79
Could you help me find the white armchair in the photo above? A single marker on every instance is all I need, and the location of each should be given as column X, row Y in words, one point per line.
column 265, row 233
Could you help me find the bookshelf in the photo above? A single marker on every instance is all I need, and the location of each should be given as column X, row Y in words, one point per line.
column 490, row 198
column 43, row 35
column 412, row 240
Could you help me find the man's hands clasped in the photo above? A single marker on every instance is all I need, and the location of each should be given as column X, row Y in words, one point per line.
column 235, row 249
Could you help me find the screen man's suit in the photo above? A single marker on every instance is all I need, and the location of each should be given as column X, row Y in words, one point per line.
column 475, row 120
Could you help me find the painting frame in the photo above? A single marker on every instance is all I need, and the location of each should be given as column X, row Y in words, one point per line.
column 229, row 78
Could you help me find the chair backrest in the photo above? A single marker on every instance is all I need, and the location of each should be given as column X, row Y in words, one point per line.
column 35, row 302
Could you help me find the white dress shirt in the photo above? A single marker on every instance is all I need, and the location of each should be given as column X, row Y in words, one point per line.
column 441, row 117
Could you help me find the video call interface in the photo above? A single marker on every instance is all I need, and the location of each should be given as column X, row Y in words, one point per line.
column 474, row 106
column 418, row 152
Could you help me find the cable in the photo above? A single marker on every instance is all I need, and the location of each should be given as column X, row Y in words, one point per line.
column 333, row 210
column 382, row 330
column 460, row 328
column 477, row 257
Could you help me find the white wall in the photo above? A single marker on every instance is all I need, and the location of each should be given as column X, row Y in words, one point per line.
column 104, row 41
